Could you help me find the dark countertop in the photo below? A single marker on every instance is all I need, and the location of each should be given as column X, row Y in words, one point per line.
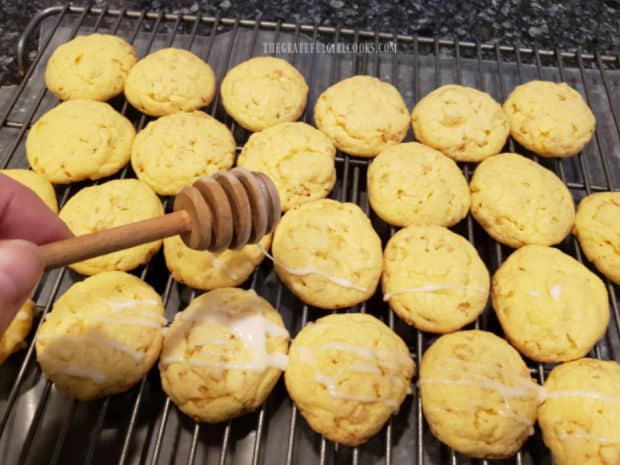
column 592, row 25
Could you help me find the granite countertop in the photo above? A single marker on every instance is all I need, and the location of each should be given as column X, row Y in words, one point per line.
column 592, row 25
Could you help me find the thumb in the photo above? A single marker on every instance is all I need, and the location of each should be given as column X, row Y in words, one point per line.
column 21, row 268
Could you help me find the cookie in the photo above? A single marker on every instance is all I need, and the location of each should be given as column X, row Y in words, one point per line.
column 298, row 158
column 519, row 202
column 347, row 374
column 206, row 270
column 92, row 67
column 434, row 279
column 461, row 122
column 108, row 205
column 15, row 335
column 549, row 118
column 477, row 394
column 597, row 226
column 362, row 115
column 328, row 254
column 102, row 336
column 168, row 81
column 79, row 140
column 550, row 306
column 411, row 183
column 264, row 91
column 37, row 184
column 580, row 418
column 223, row 355
column 175, row 150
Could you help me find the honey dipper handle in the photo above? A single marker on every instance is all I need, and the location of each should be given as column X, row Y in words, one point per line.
column 61, row 253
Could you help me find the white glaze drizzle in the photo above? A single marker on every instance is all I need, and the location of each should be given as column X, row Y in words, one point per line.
column 95, row 340
column 507, row 392
column 581, row 434
column 309, row 270
column 556, row 292
column 533, row 293
column 81, row 372
column 219, row 265
column 430, row 288
column 366, row 352
column 131, row 321
column 252, row 330
column 120, row 305
column 307, row 356
column 332, row 388
column 581, row 394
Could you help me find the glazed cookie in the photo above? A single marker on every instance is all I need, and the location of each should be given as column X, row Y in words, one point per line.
column 362, row 115
column 434, row 279
column 223, row 355
column 170, row 80
column 550, row 119
column 102, row 336
column 175, row 150
column 462, row 122
column 206, row 270
column 411, row 183
column 79, row 140
column 264, row 91
column 90, row 67
column 550, row 306
column 519, row 202
column 477, row 394
column 14, row 337
column 37, row 184
column 298, row 158
column 347, row 374
column 597, row 226
column 580, row 418
column 105, row 206
column 328, row 254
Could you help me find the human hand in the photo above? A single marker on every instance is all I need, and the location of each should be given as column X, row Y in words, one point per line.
column 24, row 222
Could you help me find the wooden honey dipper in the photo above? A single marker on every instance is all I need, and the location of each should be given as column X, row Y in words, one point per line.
column 225, row 211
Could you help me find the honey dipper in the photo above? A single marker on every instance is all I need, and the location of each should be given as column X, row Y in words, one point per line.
column 225, row 211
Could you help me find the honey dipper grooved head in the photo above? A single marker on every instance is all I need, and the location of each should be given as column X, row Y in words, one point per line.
column 229, row 209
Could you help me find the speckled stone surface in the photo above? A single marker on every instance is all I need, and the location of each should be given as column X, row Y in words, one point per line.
column 567, row 24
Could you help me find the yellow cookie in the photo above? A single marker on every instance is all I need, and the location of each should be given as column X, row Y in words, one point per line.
column 205, row 270
column 477, row 394
column 328, row 254
column 14, row 337
column 347, row 374
column 597, row 226
column 102, row 336
column 550, row 119
column 105, row 206
column 434, row 279
column 37, row 184
column 79, row 140
column 264, row 91
column 519, row 202
column 173, row 151
column 462, row 122
column 298, row 158
column 550, row 306
column 410, row 183
column 92, row 67
column 580, row 418
column 170, row 80
column 223, row 355
column 362, row 115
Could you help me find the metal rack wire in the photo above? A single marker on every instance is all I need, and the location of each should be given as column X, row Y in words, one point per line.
column 40, row 425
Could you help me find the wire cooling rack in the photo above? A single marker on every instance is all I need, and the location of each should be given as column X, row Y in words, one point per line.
column 38, row 424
